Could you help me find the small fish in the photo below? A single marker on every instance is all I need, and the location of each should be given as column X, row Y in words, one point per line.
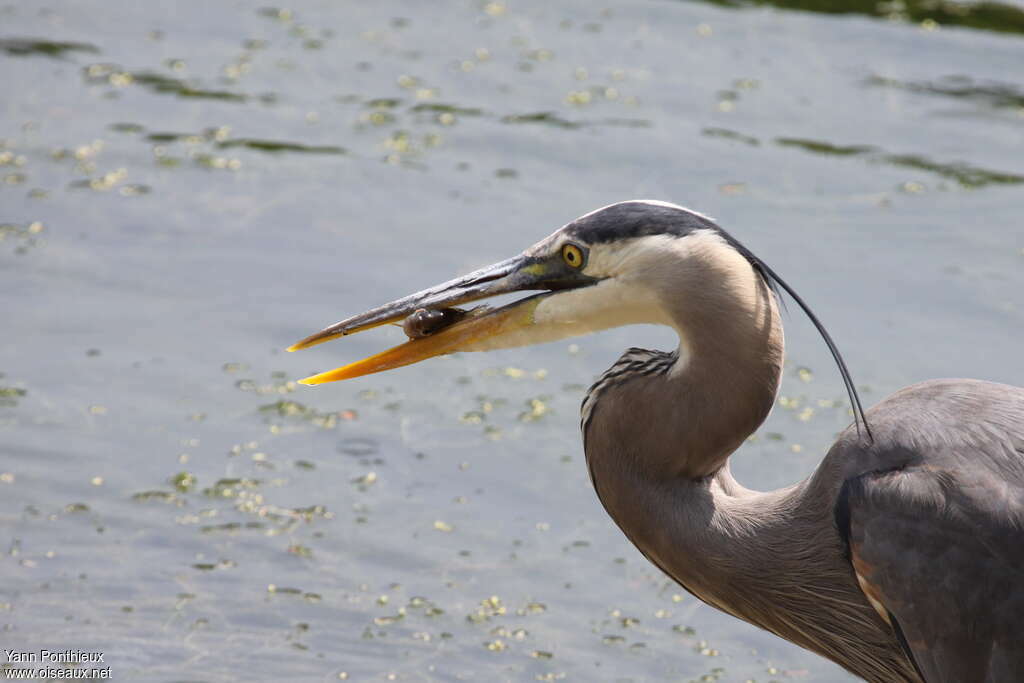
column 425, row 322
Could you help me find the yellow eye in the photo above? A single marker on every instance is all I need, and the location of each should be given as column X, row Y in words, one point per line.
column 572, row 255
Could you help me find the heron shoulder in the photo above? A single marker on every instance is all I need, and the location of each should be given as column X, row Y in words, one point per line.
column 948, row 446
column 942, row 423
column 937, row 547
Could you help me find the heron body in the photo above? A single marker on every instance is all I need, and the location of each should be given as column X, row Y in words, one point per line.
column 901, row 558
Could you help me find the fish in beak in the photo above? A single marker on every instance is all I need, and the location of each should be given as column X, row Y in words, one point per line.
column 439, row 327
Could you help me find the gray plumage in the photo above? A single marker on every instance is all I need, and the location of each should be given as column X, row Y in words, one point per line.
column 930, row 513
column 901, row 558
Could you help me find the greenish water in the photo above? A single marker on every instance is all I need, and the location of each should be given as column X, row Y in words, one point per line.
column 188, row 188
column 1001, row 17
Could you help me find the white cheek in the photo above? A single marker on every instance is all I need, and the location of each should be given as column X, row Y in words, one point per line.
column 609, row 303
column 572, row 313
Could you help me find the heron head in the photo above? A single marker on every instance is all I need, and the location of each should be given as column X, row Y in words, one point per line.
column 602, row 270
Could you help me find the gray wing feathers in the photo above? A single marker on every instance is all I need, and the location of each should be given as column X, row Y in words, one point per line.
column 937, row 539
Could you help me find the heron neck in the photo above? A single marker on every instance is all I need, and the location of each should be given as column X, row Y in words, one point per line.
column 722, row 390
column 673, row 431
column 658, row 445
column 660, row 468
column 685, row 423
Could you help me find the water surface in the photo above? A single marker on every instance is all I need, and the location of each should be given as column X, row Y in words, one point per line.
column 187, row 189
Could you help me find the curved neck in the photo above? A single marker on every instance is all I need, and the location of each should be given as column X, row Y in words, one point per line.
column 687, row 421
column 728, row 378
column 657, row 444
column 651, row 436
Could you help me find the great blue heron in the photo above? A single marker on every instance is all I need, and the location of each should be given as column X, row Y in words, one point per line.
column 901, row 558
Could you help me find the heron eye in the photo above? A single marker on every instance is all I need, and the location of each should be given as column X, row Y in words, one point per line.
column 572, row 255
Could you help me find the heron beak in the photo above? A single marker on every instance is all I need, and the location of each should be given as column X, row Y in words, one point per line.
column 481, row 328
